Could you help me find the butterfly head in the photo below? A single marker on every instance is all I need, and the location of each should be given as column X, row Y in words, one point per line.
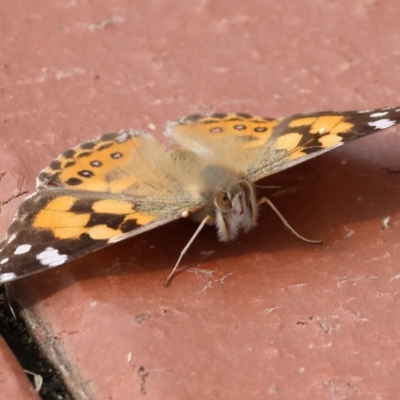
column 229, row 199
column 236, row 208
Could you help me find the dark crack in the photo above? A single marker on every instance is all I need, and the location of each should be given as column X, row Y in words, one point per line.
column 143, row 317
column 142, row 374
column 15, row 196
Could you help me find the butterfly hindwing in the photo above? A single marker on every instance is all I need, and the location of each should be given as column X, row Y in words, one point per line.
column 65, row 226
column 34, row 240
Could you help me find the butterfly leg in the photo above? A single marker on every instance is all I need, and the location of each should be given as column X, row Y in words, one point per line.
column 185, row 249
column 269, row 202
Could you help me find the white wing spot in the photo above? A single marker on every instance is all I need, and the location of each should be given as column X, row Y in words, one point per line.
column 4, row 260
column 379, row 114
column 382, row 123
column 123, row 136
column 51, row 257
column 8, row 276
column 364, row 111
column 32, row 194
column 125, row 133
column 22, row 248
column 11, row 238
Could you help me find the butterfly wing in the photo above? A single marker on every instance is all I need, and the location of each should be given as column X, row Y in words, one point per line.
column 266, row 146
column 93, row 195
column 304, row 136
column 122, row 184
column 231, row 140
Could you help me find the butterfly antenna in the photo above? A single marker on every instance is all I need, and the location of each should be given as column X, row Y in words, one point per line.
column 269, row 202
column 267, row 187
column 185, row 249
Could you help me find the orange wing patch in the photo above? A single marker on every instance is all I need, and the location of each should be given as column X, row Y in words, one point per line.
column 255, row 129
column 90, row 166
column 103, row 220
column 332, row 124
column 321, row 132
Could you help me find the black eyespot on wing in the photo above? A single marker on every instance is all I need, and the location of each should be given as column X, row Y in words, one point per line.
column 116, row 155
column 96, row 163
column 74, row 181
column 240, row 127
column 86, row 173
column 260, row 129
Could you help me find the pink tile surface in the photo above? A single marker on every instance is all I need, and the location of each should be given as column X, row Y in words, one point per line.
column 276, row 316
column 13, row 382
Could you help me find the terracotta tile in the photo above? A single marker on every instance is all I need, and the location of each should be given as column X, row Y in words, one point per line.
column 13, row 382
column 268, row 314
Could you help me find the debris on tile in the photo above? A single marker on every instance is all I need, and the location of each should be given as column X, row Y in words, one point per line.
column 116, row 19
column 37, row 380
column 385, row 223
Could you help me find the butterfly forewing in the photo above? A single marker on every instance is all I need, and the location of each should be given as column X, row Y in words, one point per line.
column 267, row 146
column 303, row 136
column 89, row 197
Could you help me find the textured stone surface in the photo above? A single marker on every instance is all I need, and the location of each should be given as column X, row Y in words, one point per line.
column 267, row 315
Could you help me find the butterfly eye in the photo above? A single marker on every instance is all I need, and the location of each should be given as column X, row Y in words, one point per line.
column 222, row 201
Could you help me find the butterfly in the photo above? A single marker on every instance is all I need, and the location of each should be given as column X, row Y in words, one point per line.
column 122, row 184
